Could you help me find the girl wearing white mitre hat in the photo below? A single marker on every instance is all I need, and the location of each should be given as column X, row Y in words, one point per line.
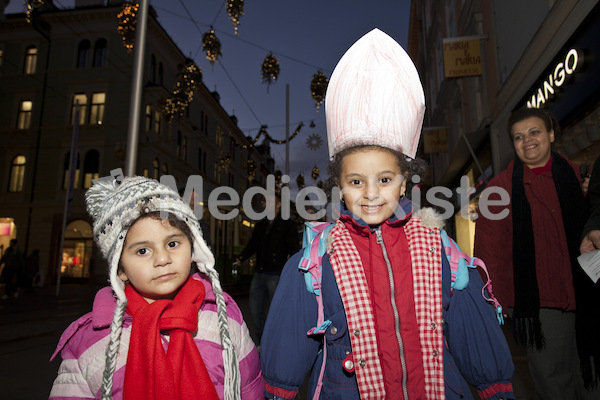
column 393, row 321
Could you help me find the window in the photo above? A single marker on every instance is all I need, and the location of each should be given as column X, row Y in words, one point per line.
column 160, row 74
column 148, row 125
column 97, row 108
column 83, row 54
column 100, row 53
column 91, row 167
column 157, row 122
column 165, row 169
column 179, row 144
column 184, row 146
column 66, row 172
column 152, row 68
column 30, row 60
column 24, row 116
column 217, row 173
column 1, row 56
column 232, row 147
column 77, row 250
column 156, row 168
column 17, row 174
column 219, row 136
column 81, row 100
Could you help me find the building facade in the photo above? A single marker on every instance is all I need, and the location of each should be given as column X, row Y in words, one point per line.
column 481, row 60
column 67, row 70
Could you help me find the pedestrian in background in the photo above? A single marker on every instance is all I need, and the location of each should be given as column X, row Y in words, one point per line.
column 157, row 332
column 273, row 241
column 381, row 322
column 532, row 258
column 32, row 267
column 591, row 231
column 14, row 265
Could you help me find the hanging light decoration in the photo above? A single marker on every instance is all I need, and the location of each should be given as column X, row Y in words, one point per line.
column 235, row 9
column 300, row 181
column 270, row 69
column 318, row 87
column 211, row 45
column 250, row 169
column 224, row 160
column 127, row 18
column 314, row 141
column 31, row 5
column 189, row 82
column 278, row 175
column 315, row 173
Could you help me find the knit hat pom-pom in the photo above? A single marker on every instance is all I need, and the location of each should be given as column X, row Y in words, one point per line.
column 97, row 195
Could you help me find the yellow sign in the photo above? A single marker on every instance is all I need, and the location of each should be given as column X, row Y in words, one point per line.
column 461, row 57
column 434, row 140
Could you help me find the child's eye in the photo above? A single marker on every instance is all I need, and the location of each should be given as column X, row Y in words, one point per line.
column 142, row 251
column 173, row 243
column 355, row 182
column 385, row 180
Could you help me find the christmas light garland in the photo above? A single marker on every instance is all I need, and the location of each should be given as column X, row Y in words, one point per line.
column 270, row 69
column 211, row 45
column 318, row 88
column 235, row 9
column 127, row 18
column 189, row 82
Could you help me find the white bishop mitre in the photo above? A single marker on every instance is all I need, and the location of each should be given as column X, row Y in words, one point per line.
column 375, row 97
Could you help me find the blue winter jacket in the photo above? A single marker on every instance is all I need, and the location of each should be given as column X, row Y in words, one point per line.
column 475, row 349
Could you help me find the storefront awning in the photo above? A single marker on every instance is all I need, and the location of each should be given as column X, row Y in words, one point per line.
column 461, row 156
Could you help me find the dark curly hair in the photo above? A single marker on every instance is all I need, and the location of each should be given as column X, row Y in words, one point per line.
column 415, row 167
column 521, row 114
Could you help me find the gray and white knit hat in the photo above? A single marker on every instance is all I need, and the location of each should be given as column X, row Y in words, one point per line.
column 114, row 206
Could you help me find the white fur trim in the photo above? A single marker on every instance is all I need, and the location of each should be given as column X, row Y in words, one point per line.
column 430, row 218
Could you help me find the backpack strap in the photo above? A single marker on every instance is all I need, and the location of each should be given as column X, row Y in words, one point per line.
column 315, row 246
column 310, row 265
column 459, row 264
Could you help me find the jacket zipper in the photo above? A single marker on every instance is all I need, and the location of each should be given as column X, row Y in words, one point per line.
column 395, row 310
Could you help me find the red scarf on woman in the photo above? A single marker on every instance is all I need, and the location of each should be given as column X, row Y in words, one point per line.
column 153, row 374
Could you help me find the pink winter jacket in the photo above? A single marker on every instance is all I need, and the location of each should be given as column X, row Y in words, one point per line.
column 83, row 344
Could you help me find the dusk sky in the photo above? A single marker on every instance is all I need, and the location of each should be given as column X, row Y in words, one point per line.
column 306, row 36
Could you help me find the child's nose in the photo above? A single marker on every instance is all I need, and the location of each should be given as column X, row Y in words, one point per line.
column 162, row 258
column 372, row 191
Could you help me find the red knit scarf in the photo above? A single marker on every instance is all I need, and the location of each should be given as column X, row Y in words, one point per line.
column 153, row 374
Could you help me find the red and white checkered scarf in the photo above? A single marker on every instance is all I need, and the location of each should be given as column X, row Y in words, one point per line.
column 424, row 245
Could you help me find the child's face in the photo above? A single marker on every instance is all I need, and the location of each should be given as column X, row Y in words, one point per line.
column 156, row 259
column 372, row 183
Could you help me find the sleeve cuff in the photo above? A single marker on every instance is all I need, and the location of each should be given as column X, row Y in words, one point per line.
column 279, row 392
column 497, row 391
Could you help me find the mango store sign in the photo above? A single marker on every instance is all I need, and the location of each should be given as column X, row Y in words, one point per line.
column 557, row 78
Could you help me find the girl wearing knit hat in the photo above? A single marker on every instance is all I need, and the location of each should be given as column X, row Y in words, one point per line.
column 391, row 321
column 157, row 332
